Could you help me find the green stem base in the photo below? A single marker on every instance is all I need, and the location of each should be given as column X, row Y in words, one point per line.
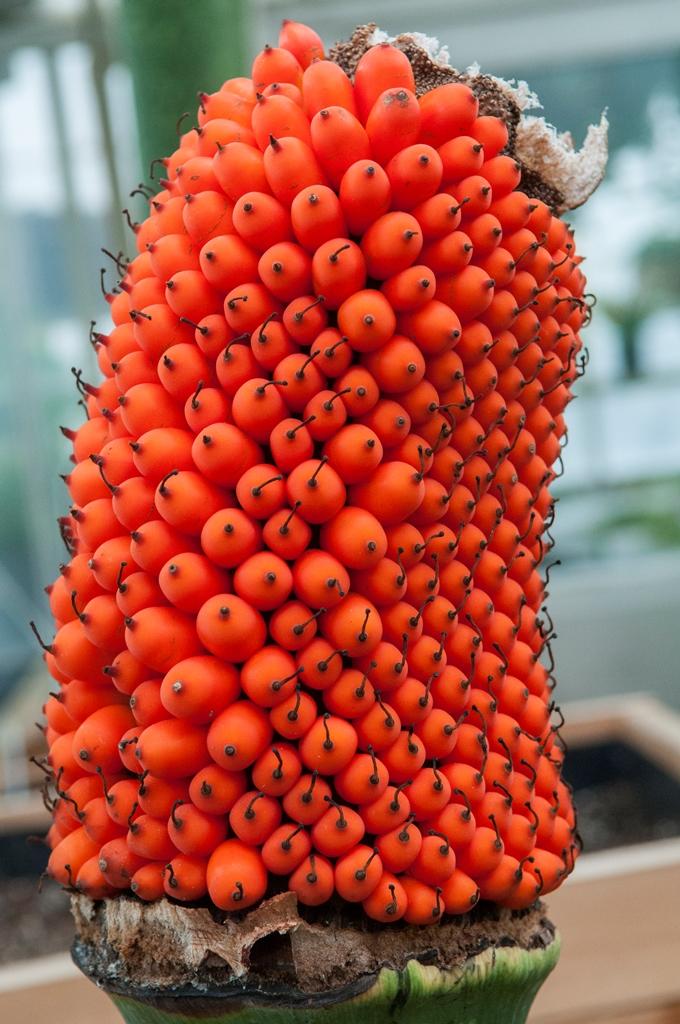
column 496, row 985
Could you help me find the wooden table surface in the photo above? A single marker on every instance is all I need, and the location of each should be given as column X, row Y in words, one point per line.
column 73, row 1000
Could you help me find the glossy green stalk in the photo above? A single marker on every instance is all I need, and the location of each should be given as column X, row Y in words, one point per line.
column 497, row 986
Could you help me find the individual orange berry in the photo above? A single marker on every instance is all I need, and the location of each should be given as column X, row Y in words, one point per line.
column 315, row 490
column 270, row 342
column 329, row 745
column 185, row 500
column 229, row 627
column 230, row 536
column 275, row 64
column 261, row 221
column 367, row 320
column 381, row 67
column 145, row 703
column 383, row 583
column 350, row 696
column 355, row 537
column 239, row 735
column 290, row 166
column 261, row 491
column 264, row 580
column 204, row 407
column 503, row 174
column 254, row 817
column 410, row 289
column 316, row 216
column 388, row 901
column 287, row 534
column 188, row 295
column 469, row 292
column 304, row 318
column 286, row 848
column 223, row 453
column 199, row 688
column 338, row 140
column 319, row 579
column 236, row 875
column 424, row 902
column 325, row 414
column 95, row 742
column 148, row 837
column 119, row 864
column 399, row 847
column 459, row 893
column 429, row 793
column 268, row 676
column 492, row 133
column 354, row 452
column 160, row 636
column 435, row 861
column 193, row 831
column 286, row 270
column 446, row 111
column 391, row 244
column 398, row 366
column 354, row 626
column 358, row 873
column 338, row 830
column 215, row 790
column 306, row 801
column 415, row 174
column 156, row 796
column 461, row 157
column 434, row 326
column 97, row 822
column 379, row 727
column 247, row 305
column 302, row 41
column 184, row 877
column 483, row 853
column 277, row 769
column 276, row 114
column 392, row 492
column 312, row 882
column 339, row 270
column 172, row 749
column 91, row 881
column 325, row 84
column 364, row 194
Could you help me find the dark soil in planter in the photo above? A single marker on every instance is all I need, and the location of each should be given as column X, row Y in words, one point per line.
column 622, row 799
column 34, row 924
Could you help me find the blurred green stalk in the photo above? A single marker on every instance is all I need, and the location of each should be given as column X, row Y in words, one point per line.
column 176, row 48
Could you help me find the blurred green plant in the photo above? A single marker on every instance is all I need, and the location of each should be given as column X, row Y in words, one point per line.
column 654, row 529
column 657, row 265
column 176, row 48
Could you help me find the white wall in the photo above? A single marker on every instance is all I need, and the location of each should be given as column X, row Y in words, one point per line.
column 497, row 33
column 618, row 626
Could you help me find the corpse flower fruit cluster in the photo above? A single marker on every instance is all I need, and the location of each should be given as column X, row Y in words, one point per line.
column 299, row 641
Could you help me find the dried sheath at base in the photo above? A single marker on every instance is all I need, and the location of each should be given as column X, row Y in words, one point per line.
column 486, row 966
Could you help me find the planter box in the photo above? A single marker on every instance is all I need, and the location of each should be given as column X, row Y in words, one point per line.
column 620, row 935
column 618, row 913
column 51, row 988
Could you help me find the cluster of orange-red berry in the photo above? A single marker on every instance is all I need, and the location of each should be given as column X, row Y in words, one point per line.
column 299, row 636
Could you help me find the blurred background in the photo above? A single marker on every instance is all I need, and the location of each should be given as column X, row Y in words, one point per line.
column 82, row 80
